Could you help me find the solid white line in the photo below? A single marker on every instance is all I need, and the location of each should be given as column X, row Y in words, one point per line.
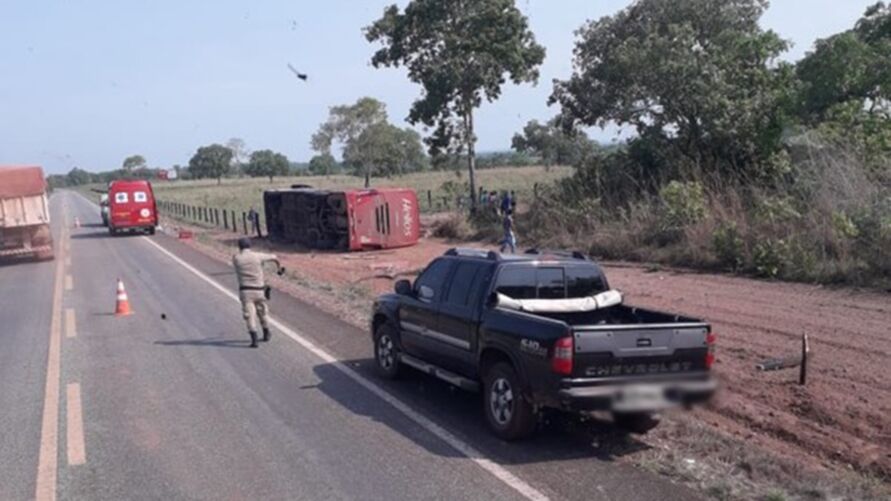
column 468, row 450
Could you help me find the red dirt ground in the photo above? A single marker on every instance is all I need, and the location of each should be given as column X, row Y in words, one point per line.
column 842, row 417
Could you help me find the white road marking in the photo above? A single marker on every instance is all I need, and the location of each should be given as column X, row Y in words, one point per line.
column 69, row 282
column 77, row 450
column 70, row 323
column 468, row 450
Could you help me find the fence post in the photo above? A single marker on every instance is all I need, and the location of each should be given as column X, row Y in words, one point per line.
column 234, row 223
column 535, row 191
column 244, row 223
column 225, row 219
column 216, row 216
column 805, row 351
column 429, row 200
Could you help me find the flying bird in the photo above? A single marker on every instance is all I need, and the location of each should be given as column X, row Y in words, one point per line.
column 301, row 76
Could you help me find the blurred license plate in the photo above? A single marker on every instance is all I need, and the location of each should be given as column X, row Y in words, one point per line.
column 640, row 397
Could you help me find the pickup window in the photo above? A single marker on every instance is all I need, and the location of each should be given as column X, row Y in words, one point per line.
column 465, row 284
column 522, row 282
column 434, row 278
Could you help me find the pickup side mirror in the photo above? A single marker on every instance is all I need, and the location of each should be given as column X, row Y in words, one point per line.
column 403, row 287
column 425, row 293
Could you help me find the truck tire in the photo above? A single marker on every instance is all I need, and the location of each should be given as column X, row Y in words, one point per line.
column 509, row 414
column 636, row 422
column 386, row 351
column 151, row 231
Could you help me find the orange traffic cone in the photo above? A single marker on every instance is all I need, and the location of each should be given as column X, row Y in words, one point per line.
column 122, row 307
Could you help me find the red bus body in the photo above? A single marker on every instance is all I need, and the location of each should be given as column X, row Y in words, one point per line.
column 131, row 207
column 351, row 220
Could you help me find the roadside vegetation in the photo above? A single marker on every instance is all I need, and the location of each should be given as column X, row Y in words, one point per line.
column 740, row 161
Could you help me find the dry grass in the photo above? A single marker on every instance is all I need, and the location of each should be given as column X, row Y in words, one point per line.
column 240, row 194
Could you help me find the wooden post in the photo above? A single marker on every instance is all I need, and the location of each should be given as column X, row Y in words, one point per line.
column 225, row 219
column 535, row 191
column 429, row 199
column 244, row 222
column 216, row 217
column 234, row 223
column 805, row 351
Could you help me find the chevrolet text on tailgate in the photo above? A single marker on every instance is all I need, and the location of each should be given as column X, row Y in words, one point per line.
column 541, row 330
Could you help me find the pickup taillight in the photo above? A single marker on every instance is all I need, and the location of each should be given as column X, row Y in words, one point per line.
column 710, row 339
column 561, row 358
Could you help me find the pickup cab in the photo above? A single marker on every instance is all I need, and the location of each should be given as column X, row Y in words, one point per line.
column 541, row 330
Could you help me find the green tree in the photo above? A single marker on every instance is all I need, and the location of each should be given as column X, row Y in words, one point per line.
column 240, row 153
column 699, row 80
column 210, row 162
column 460, row 51
column 845, row 88
column 553, row 143
column 345, row 123
column 267, row 163
column 385, row 150
column 134, row 162
column 323, row 165
column 77, row 177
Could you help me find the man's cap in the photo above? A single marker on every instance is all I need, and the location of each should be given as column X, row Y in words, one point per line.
column 244, row 243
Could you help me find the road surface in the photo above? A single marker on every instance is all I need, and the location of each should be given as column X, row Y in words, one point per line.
column 171, row 403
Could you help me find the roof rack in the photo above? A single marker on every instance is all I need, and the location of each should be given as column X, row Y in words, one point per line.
column 572, row 254
column 470, row 252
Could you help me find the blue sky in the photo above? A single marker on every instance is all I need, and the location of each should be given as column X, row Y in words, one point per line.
column 88, row 83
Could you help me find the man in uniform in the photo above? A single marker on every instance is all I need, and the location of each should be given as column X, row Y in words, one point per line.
column 252, row 287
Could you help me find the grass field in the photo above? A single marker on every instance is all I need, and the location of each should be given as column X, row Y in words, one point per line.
column 239, row 194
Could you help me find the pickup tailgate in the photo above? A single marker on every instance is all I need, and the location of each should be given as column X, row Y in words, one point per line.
column 639, row 351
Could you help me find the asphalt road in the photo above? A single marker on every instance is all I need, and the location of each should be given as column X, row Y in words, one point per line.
column 170, row 403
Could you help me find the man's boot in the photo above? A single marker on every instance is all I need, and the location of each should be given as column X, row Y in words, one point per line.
column 266, row 334
column 253, row 339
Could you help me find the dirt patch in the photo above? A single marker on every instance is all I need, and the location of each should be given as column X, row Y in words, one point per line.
column 836, row 431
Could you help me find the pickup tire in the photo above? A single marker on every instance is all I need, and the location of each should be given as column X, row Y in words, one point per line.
column 510, row 416
column 386, row 351
column 636, row 422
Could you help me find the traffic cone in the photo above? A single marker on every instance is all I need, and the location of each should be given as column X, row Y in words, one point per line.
column 122, row 308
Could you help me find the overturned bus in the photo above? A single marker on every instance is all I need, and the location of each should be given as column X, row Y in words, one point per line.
column 350, row 220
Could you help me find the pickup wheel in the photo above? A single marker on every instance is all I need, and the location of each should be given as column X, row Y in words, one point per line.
column 509, row 415
column 636, row 422
column 386, row 351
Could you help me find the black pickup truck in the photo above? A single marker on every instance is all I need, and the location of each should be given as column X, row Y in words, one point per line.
column 541, row 330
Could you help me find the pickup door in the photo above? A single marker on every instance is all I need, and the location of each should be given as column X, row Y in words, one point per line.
column 459, row 316
column 419, row 313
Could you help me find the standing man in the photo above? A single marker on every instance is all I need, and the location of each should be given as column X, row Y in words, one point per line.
column 254, row 218
column 510, row 238
column 252, row 287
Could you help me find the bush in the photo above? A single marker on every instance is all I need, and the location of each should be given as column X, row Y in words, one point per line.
column 769, row 257
column 455, row 227
column 728, row 246
column 684, row 204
